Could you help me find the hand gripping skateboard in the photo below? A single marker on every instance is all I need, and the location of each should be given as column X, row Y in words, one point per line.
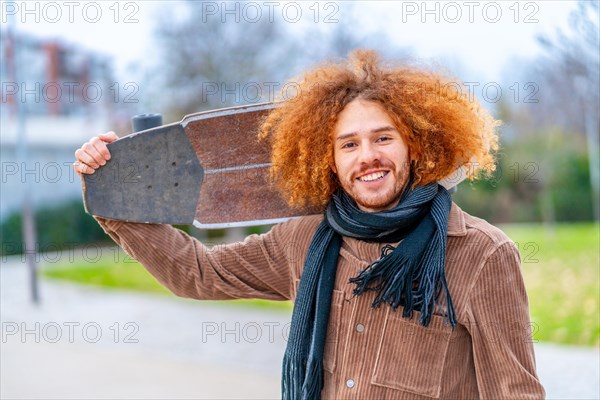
column 209, row 170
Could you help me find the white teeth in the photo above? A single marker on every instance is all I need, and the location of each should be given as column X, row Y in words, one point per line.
column 372, row 177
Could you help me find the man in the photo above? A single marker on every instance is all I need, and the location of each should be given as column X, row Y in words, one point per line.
column 398, row 293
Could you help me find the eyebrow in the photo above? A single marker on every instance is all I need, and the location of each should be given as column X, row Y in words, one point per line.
column 386, row 128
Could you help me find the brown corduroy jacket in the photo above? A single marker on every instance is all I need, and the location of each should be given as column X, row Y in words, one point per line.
column 372, row 353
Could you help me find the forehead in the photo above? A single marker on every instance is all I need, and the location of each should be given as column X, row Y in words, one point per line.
column 361, row 116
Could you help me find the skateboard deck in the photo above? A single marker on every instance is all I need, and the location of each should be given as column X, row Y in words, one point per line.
column 209, row 170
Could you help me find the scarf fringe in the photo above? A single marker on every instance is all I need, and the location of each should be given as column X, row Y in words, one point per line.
column 292, row 377
column 301, row 383
column 313, row 383
column 393, row 278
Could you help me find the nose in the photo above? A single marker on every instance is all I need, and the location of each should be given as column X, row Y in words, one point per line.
column 368, row 153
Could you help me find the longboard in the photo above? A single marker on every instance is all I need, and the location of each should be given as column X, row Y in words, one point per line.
column 209, row 170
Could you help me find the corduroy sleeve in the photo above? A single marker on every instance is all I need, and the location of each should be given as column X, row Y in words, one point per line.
column 255, row 268
column 500, row 328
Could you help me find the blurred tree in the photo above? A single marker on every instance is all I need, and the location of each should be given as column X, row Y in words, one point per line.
column 569, row 74
column 571, row 78
column 561, row 98
column 335, row 40
column 534, row 181
column 208, row 63
column 213, row 60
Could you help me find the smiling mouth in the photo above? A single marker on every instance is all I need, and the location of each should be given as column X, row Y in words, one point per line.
column 375, row 176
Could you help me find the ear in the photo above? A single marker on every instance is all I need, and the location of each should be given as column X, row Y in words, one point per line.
column 333, row 168
column 331, row 162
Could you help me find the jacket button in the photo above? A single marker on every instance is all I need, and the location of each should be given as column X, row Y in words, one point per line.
column 360, row 328
column 350, row 383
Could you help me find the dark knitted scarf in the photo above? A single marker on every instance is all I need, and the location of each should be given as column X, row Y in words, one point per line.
column 410, row 275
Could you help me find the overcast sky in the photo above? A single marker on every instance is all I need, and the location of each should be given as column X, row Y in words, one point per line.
column 479, row 38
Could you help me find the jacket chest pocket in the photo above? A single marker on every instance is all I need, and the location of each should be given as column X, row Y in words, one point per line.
column 411, row 357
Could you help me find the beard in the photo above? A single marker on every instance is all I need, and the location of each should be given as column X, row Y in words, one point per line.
column 377, row 199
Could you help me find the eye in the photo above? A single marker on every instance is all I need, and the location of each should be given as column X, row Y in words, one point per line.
column 348, row 145
column 384, row 138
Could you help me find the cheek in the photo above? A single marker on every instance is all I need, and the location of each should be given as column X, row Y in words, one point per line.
column 340, row 163
column 406, row 161
column 403, row 158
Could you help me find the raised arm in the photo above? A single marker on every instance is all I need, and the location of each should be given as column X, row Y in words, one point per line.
column 258, row 267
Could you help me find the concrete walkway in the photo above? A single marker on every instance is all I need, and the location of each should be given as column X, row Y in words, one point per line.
column 84, row 343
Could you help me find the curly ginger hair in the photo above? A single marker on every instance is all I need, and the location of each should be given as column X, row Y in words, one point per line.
column 441, row 126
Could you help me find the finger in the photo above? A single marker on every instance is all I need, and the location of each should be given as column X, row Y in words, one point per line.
column 84, row 157
column 81, row 168
column 77, row 168
column 108, row 137
column 101, row 149
column 91, row 150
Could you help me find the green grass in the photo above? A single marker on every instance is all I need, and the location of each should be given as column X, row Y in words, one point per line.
column 119, row 271
column 561, row 268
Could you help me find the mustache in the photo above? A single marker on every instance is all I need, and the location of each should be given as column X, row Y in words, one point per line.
column 378, row 165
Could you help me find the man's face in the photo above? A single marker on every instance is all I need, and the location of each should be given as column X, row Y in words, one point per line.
column 371, row 157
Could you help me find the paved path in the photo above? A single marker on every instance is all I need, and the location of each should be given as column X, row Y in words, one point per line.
column 83, row 342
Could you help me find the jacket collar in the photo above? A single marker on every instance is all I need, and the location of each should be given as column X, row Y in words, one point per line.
column 456, row 221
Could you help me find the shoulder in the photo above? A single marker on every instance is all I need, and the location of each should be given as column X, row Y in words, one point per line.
column 480, row 227
column 480, row 240
column 482, row 260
